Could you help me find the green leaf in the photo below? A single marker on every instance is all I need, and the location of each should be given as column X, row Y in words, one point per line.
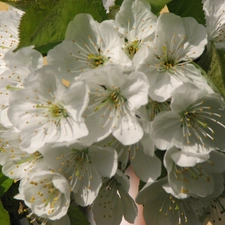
column 212, row 62
column 221, row 55
column 33, row 19
column 4, row 216
column 44, row 24
column 158, row 5
column 10, row 203
column 26, row 4
column 5, row 183
column 113, row 11
column 188, row 8
column 118, row 2
column 217, row 69
column 77, row 217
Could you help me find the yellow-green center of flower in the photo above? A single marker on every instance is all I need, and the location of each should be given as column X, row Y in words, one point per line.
column 97, row 60
column 111, row 97
column 132, row 48
column 57, row 110
column 168, row 65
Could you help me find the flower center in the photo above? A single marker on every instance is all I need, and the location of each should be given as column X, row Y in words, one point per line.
column 58, row 110
column 112, row 97
column 131, row 48
column 97, row 60
column 55, row 111
column 168, row 65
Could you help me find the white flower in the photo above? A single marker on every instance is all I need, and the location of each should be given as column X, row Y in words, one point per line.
column 88, row 45
column 114, row 99
column 193, row 175
column 215, row 21
column 136, row 23
column 195, row 123
column 9, row 34
column 82, row 166
column 162, row 207
column 19, row 65
column 114, row 202
column 107, row 4
column 17, row 164
column 178, row 41
column 46, row 193
column 48, row 111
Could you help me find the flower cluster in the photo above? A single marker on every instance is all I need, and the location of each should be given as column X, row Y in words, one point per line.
column 123, row 92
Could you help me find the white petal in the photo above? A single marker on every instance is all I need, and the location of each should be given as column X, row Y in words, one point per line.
column 135, row 20
column 150, row 168
column 130, row 208
column 104, row 160
column 128, row 131
column 164, row 127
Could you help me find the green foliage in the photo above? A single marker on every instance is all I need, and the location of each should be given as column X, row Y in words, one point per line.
column 118, row 2
column 5, row 183
column 217, row 69
column 76, row 216
column 44, row 24
column 221, row 55
column 32, row 20
column 158, row 5
column 188, row 8
column 4, row 216
column 212, row 62
column 10, row 203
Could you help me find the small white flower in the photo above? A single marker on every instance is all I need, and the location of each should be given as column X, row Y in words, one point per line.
column 9, row 34
column 107, row 4
column 19, row 65
column 215, row 21
column 178, row 41
column 88, row 45
column 17, row 164
column 48, row 111
column 82, row 166
column 46, row 193
column 114, row 99
column 195, row 123
column 136, row 23
column 162, row 207
column 193, row 175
